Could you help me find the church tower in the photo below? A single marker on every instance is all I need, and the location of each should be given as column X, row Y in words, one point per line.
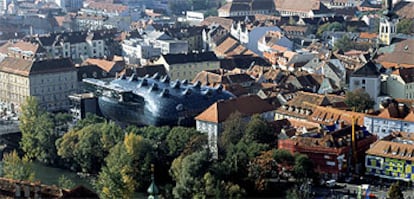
column 387, row 25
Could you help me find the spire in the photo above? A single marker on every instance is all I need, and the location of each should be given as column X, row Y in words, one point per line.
column 152, row 189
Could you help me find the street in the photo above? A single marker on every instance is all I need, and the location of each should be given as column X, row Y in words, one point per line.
column 349, row 191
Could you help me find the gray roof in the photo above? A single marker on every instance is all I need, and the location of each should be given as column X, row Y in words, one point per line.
column 367, row 70
column 190, row 57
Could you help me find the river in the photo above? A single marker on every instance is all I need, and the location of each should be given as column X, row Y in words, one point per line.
column 50, row 175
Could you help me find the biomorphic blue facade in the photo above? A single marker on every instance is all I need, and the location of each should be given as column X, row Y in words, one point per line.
column 154, row 100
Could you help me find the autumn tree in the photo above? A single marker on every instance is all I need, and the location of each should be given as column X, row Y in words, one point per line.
column 127, row 168
column 261, row 168
column 17, row 168
column 359, row 100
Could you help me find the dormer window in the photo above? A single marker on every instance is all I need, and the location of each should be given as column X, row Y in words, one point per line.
column 396, row 152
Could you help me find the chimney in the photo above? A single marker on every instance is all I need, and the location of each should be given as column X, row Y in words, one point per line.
column 401, row 110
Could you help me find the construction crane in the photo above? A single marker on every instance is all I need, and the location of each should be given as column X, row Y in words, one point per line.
column 354, row 153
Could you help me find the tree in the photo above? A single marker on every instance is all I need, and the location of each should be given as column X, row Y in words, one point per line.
column 303, row 168
column 285, row 161
column 88, row 120
column 65, row 183
column 344, row 44
column 283, row 156
column 258, row 130
column 234, row 168
column 188, row 172
column 127, row 168
column 405, row 26
column 38, row 133
column 359, row 100
column 395, row 192
column 335, row 26
column 262, row 168
column 87, row 148
column 178, row 138
column 296, row 193
column 17, row 168
column 233, row 130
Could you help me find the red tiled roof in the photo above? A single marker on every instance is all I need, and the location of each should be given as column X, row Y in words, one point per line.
column 395, row 150
column 246, row 105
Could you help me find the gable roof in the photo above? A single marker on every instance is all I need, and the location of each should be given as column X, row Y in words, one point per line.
column 367, row 70
column 226, row 23
column 190, row 57
column 106, row 65
column 20, row 47
column 400, row 53
column 407, row 74
column 404, row 9
column 25, row 67
column 303, row 6
column 246, row 105
column 390, row 149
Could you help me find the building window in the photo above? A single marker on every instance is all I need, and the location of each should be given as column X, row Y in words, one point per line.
column 363, row 81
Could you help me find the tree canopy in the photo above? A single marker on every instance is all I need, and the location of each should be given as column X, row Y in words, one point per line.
column 405, row 26
column 38, row 132
column 17, row 168
column 359, row 100
column 335, row 26
column 127, row 168
column 87, row 148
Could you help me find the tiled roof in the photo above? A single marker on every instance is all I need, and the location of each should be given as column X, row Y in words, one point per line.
column 304, row 101
column 223, row 22
column 400, row 53
column 246, row 105
column 220, row 76
column 367, row 70
column 24, row 67
column 225, row 46
column 390, row 149
column 210, row 77
column 303, row 6
column 107, row 7
column 330, row 116
column 336, row 139
column 189, row 58
column 294, row 28
column 404, row 9
column 19, row 46
column 367, row 35
column 106, row 65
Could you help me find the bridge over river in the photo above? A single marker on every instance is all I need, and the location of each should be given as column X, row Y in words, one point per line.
column 9, row 127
